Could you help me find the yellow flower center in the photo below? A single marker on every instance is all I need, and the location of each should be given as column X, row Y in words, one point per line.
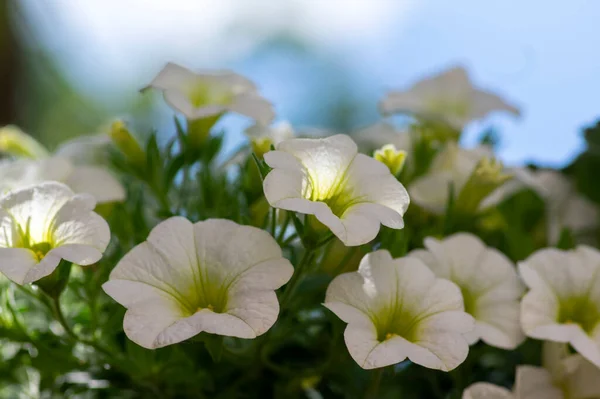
column 581, row 311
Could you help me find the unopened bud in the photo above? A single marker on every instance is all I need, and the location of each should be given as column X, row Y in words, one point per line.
column 126, row 143
column 391, row 157
column 15, row 142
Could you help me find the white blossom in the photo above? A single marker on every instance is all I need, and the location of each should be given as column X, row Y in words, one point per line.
column 564, row 376
column 563, row 304
column 454, row 167
column 489, row 284
column 213, row 276
column 450, row 96
column 262, row 137
column 43, row 224
column 350, row 193
column 398, row 309
column 205, row 94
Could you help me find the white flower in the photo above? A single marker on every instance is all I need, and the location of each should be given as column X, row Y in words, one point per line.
column 214, row 276
column 455, row 166
column 565, row 208
column 43, row 224
column 398, row 309
column 489, row 284
column 201, row 95
column 380, row 134
column 563, row 376
column 350, row 193
column 450, row 96
column 86, row 149
column 93, row 180
column 563, row 304
column 262, row 137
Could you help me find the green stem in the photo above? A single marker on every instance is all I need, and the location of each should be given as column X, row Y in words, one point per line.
column 296, row 277
column 286, row 222
column 60, row 317
column 273, row 221
column 373, row 389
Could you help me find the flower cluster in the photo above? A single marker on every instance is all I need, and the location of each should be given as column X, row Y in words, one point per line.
column 246, row 272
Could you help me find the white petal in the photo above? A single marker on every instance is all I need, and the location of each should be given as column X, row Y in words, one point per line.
column 89, row 149
column 16, row 262
column 97, row 182
column 36, row 206
column 535, row 383
column 259, row 310
column 432, row 191
column 253, row 106
column 172, row 76
column 484, row 390
column 499, row 325
column 42, row 269
column 484, row 102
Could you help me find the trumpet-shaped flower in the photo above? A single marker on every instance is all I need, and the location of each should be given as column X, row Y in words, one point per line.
column 93, row 180
column 262, row 137
column 213, row 276
column 563, row 376
column 563, row 304
column 565, row 208
column 489, row 284
column 350, row 193
column 380, row 134
column 202, row 95
column 43, row 224
column 449, row 96
column 398, row 309
column 475, row 177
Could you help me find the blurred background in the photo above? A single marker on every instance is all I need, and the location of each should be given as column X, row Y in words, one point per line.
column 69, row 66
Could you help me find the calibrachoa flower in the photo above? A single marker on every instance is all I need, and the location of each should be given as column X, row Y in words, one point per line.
column 380, row 134
column 350, row 193
column 564, row 376
column 563, row 304
column 450, row 96
column 398, row 309
column 474, row 175
column 262, row 137
column 214, row 276
column 564, row 206
column 88, row 179
column 43, row 224
column 489, row 284
column 202, row 95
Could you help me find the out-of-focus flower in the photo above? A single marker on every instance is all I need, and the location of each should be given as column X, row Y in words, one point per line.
column 350, row 193
column 93, row 180
column 563, row 304
column 206, row 94
column 473, row 174
column 86, row 149
column 489, row 284
column 391, row 157
column 398, row 309
column 564, row 376
column 43, row 224
column 15, row 142
column 380, row 134
column 449, row 96
column 565, row 208
column 262, row 137
column 127, row 144
column 214, row 276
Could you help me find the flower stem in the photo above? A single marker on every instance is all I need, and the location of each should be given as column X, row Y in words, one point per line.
column 307, row 258
column 60, row 317
column 373, row 389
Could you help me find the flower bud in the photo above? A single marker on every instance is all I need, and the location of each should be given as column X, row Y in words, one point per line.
column 126, row 143
column 15, row 142
column 391, row 157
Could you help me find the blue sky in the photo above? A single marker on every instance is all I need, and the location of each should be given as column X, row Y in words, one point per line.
column 542, row 56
